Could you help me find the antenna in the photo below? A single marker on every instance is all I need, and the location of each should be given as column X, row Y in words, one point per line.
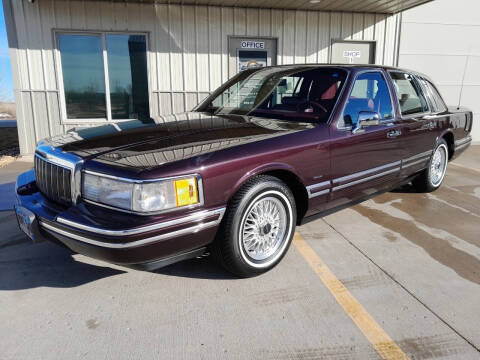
column 463, row 80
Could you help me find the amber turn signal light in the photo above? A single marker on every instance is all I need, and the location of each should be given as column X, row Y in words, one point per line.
column 186, row 192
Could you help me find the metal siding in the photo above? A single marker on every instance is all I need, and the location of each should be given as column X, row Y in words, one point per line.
column 439, row 40
column 188, row 48
column 226, row 25
column 215, row 47
column 202, row 50
column 300, row 37
column 347, row 26
column 265, row 28
column 357, row 26
column 324, row 35
column 253, row 23
column 312, row 30
column 380, row 38
column 288, row 37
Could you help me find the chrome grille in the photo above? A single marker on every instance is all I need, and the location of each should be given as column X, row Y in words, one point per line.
column 53, row 181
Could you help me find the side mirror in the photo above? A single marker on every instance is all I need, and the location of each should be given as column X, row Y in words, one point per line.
column 366, row 118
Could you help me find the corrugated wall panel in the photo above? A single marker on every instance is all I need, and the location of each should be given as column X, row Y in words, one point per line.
column 202, row 50
column 312, row 37
column 288, row 40
column 277, row 32
column 47, row 18
column 188, row 48
column 300, row 37
column 324, row 35
column 380, row 38
column 253, row 23
column 176, row 18
column 160, row 46
column 357, row 27
column 227, row 29
column 264, row 27
column 215, row 47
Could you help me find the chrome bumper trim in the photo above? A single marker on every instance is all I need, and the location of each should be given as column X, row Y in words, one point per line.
column 186, row 231
column 172, row 234
column 198, row 216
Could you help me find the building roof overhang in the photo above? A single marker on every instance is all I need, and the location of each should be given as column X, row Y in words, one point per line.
column 364, row 6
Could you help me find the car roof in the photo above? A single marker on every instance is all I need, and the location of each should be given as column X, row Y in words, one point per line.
column 353, row 67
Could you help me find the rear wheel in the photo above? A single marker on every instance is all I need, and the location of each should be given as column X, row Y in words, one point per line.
column 432, row 177
column 258, row 227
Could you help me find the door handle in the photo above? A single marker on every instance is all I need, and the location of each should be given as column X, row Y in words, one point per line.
column 394, row 133
column 431, row 125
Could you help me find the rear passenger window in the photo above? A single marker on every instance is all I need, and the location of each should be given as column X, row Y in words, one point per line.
column 410, row 96
column 438, row 105
column 369, row 93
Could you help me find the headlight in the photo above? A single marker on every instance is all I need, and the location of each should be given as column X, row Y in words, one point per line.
column 149, row 196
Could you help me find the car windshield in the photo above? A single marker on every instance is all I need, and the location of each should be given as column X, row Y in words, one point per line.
column 288, row 93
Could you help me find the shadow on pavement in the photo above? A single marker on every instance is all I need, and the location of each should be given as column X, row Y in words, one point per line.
column 27, row 266
column 7, row 198
column 406, row 189
column 202, row 268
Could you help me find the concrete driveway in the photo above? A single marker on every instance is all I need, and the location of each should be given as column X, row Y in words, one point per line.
column 397, row 276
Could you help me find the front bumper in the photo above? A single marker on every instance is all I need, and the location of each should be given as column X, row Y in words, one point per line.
column 139, row 241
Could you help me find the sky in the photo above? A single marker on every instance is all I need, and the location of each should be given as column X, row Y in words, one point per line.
column 6, row 83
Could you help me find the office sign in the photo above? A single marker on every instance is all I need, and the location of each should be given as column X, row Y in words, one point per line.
column 249, row 44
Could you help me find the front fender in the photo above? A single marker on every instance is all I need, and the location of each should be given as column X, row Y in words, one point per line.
column 262, row 169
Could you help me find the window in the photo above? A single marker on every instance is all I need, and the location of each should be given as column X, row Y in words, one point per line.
column 104, row 76
column 369, row 93
column 438, row 105
column 292, row 94
column 410, row 96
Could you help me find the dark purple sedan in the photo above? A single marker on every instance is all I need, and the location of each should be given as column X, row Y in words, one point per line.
column 270, row 149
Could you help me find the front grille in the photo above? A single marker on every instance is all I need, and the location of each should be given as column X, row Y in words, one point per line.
column 53, row 181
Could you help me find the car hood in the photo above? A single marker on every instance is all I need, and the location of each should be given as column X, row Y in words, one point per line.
column 146, row 144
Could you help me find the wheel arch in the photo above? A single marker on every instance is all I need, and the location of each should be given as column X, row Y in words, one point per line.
column 289, row 176
column 450, row 140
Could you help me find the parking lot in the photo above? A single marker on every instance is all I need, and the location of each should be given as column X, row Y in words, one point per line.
column 395, row 276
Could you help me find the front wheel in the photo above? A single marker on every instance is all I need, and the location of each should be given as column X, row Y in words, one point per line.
column 432, row 177
column 258, row 227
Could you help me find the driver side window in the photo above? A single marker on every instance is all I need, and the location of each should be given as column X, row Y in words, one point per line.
column 369, row 93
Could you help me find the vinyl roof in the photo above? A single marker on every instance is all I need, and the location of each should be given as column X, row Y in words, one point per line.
column 365, row 6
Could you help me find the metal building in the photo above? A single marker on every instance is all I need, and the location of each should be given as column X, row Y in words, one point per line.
column 83, row 63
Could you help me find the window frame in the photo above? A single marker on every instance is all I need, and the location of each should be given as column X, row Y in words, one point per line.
column 60, row 85
column 352, row 84
column 414, row 115
column 428, row 87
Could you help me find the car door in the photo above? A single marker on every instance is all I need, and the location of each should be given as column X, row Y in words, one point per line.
column 364, row 162
column 418, row 124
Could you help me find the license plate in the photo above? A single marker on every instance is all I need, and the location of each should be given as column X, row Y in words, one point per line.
column 25, row 220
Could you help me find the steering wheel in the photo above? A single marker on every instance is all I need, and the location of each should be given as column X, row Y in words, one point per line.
column 312, row 104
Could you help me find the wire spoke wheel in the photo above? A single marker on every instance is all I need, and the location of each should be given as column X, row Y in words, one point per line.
column 264, row 228
column 438, row 165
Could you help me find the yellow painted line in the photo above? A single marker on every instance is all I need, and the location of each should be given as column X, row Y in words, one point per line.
column 464, row 167
column 383, row 344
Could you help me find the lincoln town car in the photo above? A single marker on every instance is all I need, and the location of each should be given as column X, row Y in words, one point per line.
column 270, row 149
